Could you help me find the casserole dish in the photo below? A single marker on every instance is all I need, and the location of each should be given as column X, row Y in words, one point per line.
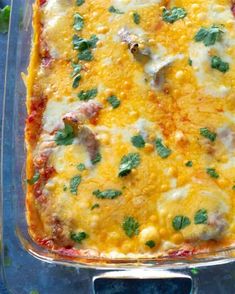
column 15, row 131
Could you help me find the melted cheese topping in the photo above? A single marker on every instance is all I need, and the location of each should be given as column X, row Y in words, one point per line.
column 162, row 97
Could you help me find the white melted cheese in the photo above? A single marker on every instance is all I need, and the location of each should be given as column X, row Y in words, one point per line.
column 52, row 116
column 127, row 5
column 54, row 18
column 176, row 194
column 220, row 13
column 211, row 80
column 227, row 137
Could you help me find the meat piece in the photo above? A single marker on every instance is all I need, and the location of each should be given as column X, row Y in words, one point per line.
column 43, row 153
column 233, row 7
column 89, row 140
column 157, row 65
column 227, row 137
column 133, row 42
column 215, row 228
column 58, row 235
column 85, row 111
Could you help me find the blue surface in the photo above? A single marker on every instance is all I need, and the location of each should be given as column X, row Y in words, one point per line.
column 24, row 273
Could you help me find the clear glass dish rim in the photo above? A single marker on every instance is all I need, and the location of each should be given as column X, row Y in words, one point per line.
column 223, row 256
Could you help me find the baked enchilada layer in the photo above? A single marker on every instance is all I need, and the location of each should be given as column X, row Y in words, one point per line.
column 130, row 132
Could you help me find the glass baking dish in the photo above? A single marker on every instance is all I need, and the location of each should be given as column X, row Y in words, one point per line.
column 12, row 176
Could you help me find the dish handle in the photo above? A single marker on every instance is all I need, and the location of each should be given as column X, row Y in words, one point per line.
column 140, row 280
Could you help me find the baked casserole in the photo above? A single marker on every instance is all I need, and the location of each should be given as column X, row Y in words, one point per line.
column 130, row 132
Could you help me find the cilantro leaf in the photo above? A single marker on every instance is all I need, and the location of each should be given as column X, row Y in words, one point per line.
column 65, row 136
column 219, row 64
column 80, row 2
column 84, row 44
column 205, row 132
column 114, row 101
column 96, row 205
column 112, row 9
column 74, row 183
column 138, row 141
column 162, row 150
column 78, row 237
column 87, row 95
column 78, row 22
column 173, row 14
column 190, row 62
column 81, row 166
column 128, row 162
column 189, row 163
column 76, row 81
column 136, row 18
column 212, row 172
column 107, row 194
column 4, row 19
column 150, row 244
column 180, row 222
column 209, row 36
column 130, row 226
column 76, row 69
column 97, row 159
column 34, row 179
column 85, row 55
column 200, row 216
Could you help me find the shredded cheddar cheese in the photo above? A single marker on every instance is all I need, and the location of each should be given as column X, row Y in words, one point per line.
column 130, row 132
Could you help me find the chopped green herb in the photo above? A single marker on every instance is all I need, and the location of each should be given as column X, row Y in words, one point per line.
column 128, row 162
column 4, row 19
column 34, row 179
column 96, row 159
column 212, row 172
column 209, row 36
column 233, row 187
column 136, row 18
column 200, row 217
column 87, row 95
column 162, row 150
column 114, row 101
column 65, row 136
column 150, row 244
column 80, row 2
column 34, row 292
column 85, row 55
column 219, row 64
column 190, row 62
column 7, row 261
column 74, row 183
column 112, row 9
column 81, row 166
column 84, row 44
column 138, row 141
column 189, row 163
column 180, row 222
column 76, row 81
column 78, row 237
column 65, row 188
column 107, row 194
column 130, row 226
column 78, row 22
column 93, row 40
column 194, row 271
column 173, row 14
column 76, row 69
column 96, row 205
column 205, row 132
